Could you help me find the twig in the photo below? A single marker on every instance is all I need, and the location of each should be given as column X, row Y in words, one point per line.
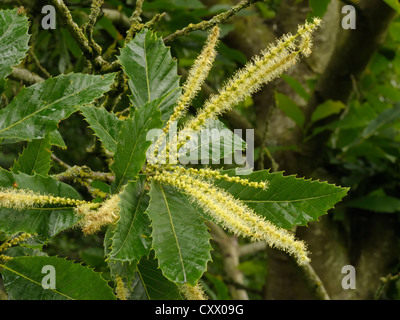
column 135, row 21
column 151, row 23
column 85, row 173
column 116, row 91
column 89, row 52
column 26, row 76
column 95, row 10
column 252, row 248
column 207, row 24
column 60, row 162
column 36, row 62
column 314, row 282
column 384, row 283
column 274, row 164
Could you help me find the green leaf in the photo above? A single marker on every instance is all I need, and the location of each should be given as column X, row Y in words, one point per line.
column 14, row 40
column 131, row 236
column 23, row 278
column 45, row 221
column 318, row 7
column 394, row 4
column 35, row 158
column 214, row 142
column 221, row 289
column 288, row 201
column 57, row 140
column 130, row 155
column 152, row 72
column 376, row 203
column 327, row 109
column 150, row 284
column 38, row 109
column 105, row 125
column 384, row 118
column 296, row 86
column 290, row 108
column 180, row 237
column 394, row 30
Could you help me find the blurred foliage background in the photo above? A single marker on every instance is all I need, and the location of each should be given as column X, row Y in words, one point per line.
column 334, row 117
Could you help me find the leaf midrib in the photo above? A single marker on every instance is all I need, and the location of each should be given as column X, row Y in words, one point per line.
column 173, row 230
column 294, row 200
column 35, row 282
column 46, row 106
column 132, row 222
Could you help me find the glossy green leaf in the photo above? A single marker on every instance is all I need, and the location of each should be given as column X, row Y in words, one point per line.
column 318, row 7
column 131, row 235
column 57, row 140
column 385, row 117
column 214, row 142
column 288, row 201
column 23, row 278
column 150, row 284
column 377, row 203
column 296, row 86
column 180, row 237
column 38, row 109
column 327, row 109
column 152, row 72
column 290, row 108
column 14, row 40
column 35, row 158
column 44, row 221
column 133, row 143
column 105, row 125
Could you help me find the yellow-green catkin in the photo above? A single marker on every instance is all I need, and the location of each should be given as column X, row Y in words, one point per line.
column 121, row 291
column 234, row 215
column 214, row 174
column 261, row 70
column 193, row 292
column 305, row 32
column 197, row 75
column 95, row 218
column 12, row 242
column 21, row 199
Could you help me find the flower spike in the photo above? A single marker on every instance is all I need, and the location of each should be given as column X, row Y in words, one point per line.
column 234, row 215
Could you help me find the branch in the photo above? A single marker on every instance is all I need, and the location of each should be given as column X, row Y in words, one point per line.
column 314, row 282
column 26, row 76
column 135, row 21
column 84, row 173
column 204, row 25
column 88, row 50
column 252, row 248
column 95, row 11
column 230, row 252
